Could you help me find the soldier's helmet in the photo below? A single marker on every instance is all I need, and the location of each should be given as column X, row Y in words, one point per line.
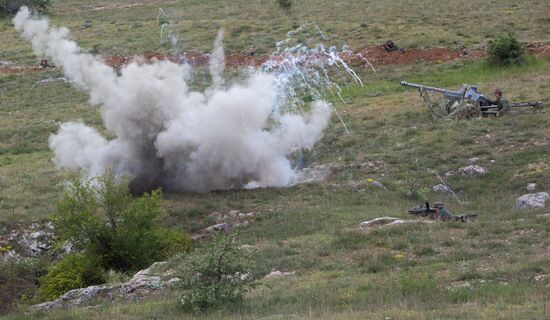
column 438, row 204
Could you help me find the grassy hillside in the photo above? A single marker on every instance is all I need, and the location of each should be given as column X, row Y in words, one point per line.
column 480, row 270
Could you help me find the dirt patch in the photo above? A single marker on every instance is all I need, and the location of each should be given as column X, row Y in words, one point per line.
column 16, row 70
column 375, row 56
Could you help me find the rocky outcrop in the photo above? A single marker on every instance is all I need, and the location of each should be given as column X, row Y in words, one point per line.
column 441, row 188
column 471, row 170
column 143, row 284
column 531, row 201
column 29, row 241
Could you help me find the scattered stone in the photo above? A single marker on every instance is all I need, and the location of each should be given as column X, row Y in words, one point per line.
column 233, row 213
column 243, row 224
column 378, row 185
column 540, row 277
column 33, row 241
column 531, row 186
column 218, row 227
column 277, row 273
column 471, row 170
column 441, row 188
column 531, row 201
column 473, row 160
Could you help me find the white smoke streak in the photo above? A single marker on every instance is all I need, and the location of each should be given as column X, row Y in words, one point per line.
column 167, row 135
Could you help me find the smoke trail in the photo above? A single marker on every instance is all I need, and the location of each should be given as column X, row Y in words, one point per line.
column 167, row 135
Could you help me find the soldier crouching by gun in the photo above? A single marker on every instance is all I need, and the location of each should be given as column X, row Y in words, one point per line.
column 502, row 104
column 439, row 212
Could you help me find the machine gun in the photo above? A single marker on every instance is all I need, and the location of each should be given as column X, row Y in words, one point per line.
column 424, row 211
column 464, row 103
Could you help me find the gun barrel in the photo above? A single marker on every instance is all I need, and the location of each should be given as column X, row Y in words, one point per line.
column 414, row 85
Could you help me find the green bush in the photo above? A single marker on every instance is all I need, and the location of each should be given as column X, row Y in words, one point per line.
column 74, row 271
column 10, row 7
column 217, row 274
column 100, row 217
column 506, row 50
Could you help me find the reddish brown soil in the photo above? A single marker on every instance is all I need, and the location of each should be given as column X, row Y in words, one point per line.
column 375, row 55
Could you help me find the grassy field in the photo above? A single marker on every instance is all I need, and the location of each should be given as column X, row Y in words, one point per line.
column 480, row 270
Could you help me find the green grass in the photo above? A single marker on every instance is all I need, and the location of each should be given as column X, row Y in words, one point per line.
column 481, row 270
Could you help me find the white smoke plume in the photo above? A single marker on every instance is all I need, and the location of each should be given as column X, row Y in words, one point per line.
column 167, row 135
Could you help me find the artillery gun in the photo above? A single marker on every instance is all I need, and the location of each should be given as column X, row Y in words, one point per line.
column 464, row 103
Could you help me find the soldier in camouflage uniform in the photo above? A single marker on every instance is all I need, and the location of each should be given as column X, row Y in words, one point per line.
column 502, row 104
column 445, row 215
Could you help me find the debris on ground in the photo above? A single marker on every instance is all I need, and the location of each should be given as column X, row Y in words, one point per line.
column 531, row 201
column 531, row 186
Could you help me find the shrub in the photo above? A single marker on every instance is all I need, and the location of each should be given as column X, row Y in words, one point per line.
column 18, row 281
column 74, row 271
column 10, row 7
column 285, row 4
column 217, row 274
column 100, row 217
column 506, row 50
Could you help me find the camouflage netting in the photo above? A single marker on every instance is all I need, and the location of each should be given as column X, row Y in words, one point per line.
column 441, row 107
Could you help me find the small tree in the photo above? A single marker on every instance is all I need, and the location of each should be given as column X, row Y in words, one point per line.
column 100, row 217
column 10, row 7
column 506, row 50
column 217, row 274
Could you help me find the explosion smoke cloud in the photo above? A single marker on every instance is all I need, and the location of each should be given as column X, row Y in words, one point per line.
column 168, row 135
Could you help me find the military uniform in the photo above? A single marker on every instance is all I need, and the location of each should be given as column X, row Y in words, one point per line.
column 445, row 215
column 503, row 105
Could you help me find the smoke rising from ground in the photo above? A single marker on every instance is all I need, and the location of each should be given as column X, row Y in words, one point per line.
column 167, row 135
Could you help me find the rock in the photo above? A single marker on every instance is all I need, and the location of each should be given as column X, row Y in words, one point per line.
column 472, row 170
column 441, row 188
column 473, row 160
column 218, row 227
column 243, row 224
column 531, row 186
column 233, row 213
column 142, row 284
column 378, row 185
column 277, row 273
column 377, row 222
column 389, row 221
column 531, row 201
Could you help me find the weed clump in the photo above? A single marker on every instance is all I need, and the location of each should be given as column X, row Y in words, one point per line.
column 217, row 274
column 285, row 4
column 506, row 50
column 74, row 271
